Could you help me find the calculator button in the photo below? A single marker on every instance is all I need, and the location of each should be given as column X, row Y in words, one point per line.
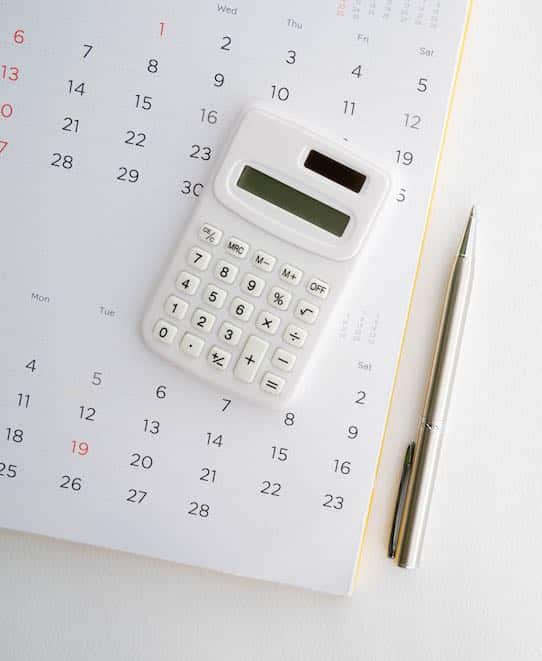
column 250, row 359
column 272, row 383
column 229, row 334
column 188, row 283
column 279, row 298
column 306, row 311
column 203, row 320
column 175, row 307
column 210, row 234
column 241, row 310
column 225, row 271
column 164, row 332
column 291, row 274
column 252, row 285
column 192, row 345
column 199, row 258
column 214, row 296
column 263, row 261
column 295, row 336
column 267, row 322
column 236, row 247
column 284, row 360
column 218, row 358
column 318, row 288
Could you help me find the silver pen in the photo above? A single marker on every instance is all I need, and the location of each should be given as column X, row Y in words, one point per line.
column 421, row 459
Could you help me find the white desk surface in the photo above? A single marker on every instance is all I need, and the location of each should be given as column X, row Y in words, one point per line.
column 479, row 592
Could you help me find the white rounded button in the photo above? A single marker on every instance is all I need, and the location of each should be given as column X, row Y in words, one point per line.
column 236, row 247
column 240, row 309
column 210, row 234
column 214, row 296
column 191, row 345
column 252, row 285
column 264, row 261
column 164, row 332
column 199, row 258
column 279, row 298
column 318, row 288
column 218, row 358
column 203, row 320
column 175, row 307
column 226, row 272
column 187, row 283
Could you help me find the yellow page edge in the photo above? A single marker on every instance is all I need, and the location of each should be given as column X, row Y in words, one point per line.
column 451, row 100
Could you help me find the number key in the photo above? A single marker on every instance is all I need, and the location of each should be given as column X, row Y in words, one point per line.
column 230, row 334
column 199, row 258
column 252, row 285
column 214, row 296
column 164, row 331
column 175, row 307
column 241, row 309
column 203, row 320
column 188, row 283
column 225, row 271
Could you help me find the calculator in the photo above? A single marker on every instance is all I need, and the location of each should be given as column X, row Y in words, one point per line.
column 269, row 250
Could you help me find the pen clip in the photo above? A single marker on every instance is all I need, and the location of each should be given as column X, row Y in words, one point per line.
column 400, row 501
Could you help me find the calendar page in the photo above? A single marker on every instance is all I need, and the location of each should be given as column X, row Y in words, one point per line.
column 111, row 118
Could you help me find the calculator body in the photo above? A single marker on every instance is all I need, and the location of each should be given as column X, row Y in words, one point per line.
column 271, row 246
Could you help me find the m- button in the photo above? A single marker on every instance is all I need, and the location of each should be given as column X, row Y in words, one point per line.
column 318, row 288
column 237, row 248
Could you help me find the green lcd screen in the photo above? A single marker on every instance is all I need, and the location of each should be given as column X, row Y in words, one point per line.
column 294, row 201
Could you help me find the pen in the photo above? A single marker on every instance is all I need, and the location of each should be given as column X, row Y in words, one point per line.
column 406, row 545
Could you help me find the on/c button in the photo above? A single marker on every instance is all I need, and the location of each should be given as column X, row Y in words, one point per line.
column 318, row 288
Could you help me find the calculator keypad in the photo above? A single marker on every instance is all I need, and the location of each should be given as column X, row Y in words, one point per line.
column 214, row 296
column 210, row 234
column 188, row 283
column 192, row 345
column 236, row 247
column 229, row 334
column 264, row 261
column 218, row 358
column 203, row 320
column 240, row 309
column 268, row 321
column 165, row 332
column 252, row 285
column 176, row 307
column 199, row 258
column 279, row 298
column 226, row 272
column 250, row 359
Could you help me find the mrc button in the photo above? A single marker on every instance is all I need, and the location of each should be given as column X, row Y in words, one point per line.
column 318, row 288
column 236, row 247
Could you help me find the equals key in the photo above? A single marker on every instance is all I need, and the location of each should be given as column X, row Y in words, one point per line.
column 272, row 383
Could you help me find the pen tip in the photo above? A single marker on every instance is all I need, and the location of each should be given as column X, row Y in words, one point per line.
column 468, row 235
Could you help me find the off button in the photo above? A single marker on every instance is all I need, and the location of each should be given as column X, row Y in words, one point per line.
column 318, row 288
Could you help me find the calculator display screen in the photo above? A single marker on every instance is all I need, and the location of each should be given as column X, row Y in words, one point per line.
column 290, row 199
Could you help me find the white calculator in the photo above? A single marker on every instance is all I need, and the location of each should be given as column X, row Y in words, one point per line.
column 271, row 245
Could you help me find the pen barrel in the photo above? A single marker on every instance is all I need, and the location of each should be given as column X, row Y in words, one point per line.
column 430, row 431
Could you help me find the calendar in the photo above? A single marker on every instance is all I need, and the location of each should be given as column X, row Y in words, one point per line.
column 111, row 119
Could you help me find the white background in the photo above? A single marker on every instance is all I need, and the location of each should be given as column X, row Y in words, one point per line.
column 478, row 594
